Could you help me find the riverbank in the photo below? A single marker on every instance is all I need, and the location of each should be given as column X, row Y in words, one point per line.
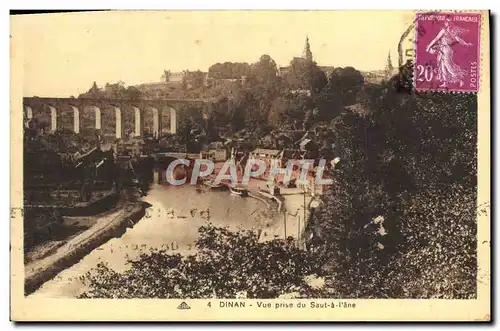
column 293, row 215
column 171, row 223
column 100, row 202
column 289, row 210
column 112, row 224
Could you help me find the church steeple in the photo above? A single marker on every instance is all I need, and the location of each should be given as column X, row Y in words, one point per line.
column 307, row 51
column 388, row 67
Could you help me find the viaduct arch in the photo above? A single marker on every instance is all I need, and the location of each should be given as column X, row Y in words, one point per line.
column 82, row 106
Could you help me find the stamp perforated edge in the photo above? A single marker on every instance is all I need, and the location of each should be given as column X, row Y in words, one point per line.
column 479, row 51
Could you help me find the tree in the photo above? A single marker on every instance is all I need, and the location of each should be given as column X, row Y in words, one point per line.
column 226, row 265
column 402, row 206
column 133, row 93
column 190, row 128
column 240, row 69
column 305, row 75
column 278, row 112
column 219, row 115
column 113, row 91
column 94, row 88
column 264, row 71
column 166, row 75
column 94, row 92
column 346, row 83
column 228, row 70
column 249, row 105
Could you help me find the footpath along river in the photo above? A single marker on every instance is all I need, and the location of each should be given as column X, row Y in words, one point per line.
column 173, row 221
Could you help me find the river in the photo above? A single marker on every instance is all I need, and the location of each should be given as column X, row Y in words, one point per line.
column 171, row 223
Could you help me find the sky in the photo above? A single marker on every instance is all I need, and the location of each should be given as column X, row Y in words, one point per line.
column 64, row 54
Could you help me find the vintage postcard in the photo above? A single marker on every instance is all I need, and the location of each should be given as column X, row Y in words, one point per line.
column 250, row 166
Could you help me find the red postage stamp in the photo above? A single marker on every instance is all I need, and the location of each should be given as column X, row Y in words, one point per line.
column 447, row 52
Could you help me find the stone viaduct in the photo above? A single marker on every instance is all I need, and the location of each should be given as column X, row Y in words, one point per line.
column 59, row 107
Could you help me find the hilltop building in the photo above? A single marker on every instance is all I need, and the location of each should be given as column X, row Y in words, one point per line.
column 172, row 84
column 377, row 76
column 389, row 69
column 308, row 56
column 172, row 77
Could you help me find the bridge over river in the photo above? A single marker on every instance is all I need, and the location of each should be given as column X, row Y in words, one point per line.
column 59, row 109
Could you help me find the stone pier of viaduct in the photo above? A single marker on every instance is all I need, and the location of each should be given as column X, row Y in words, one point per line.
column 58, row 107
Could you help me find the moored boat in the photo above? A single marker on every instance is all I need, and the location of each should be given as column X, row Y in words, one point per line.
column 213, row 186
column 241, row 191
column 218, row 186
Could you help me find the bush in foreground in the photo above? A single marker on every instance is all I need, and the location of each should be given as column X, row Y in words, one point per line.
column 226, row 265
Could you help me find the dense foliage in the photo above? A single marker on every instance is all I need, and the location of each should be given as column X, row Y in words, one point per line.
column 227, row 264
column 264, row 100
column 228, row 70
column 400, row 219
column 112, row 91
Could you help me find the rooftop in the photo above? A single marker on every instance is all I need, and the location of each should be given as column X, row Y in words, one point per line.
column 272, row 152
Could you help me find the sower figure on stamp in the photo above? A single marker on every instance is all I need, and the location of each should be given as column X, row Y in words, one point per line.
column 448, row 70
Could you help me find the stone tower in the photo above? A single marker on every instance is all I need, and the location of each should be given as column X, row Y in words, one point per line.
column 307, row 51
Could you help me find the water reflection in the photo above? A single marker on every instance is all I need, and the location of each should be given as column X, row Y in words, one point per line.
column 171, row 223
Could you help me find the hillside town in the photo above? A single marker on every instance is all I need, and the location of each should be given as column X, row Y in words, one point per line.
column 96, row 172
column 92, row 155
